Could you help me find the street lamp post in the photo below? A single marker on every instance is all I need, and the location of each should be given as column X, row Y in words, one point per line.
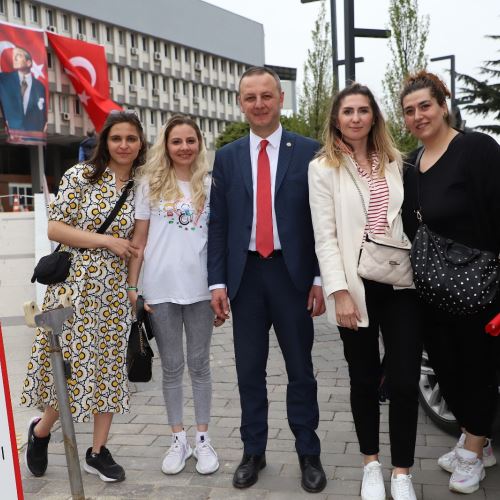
column 453, row 74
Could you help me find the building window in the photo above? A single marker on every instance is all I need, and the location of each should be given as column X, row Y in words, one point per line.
column 196, row 57
column 65, row 22
column 2, row 7
column 109, row 34
column 154, row 81
column 63, row 103
column 77, row 106
column 144, row 44
column 231, row 68
column 80, row 26
column 33, row 13
column 152, row 117
column 202, row 124
column 204, row 92
column 212, row 94
column 16, row 7
column 143, row 80
column 24, row 191
column 141, row 115
column 165, row 49
column 176, row 86
column 214, row 63
column 121, row 37
column 221, row 96
column 119, row 75
column 223, row 65
column 93, row 27
column 220, row 127
column 195, row 90
column 131, row 77
column 229, row 97
column 210, row 126
column 133, row 40
column 49, row 17
column 51, row 102
column 165, row 84
column 176, row 53
column 205, row 60
column 156, row 46
column 184, row 88
column 49, row 60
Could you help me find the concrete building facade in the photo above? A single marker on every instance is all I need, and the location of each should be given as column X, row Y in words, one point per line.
column 164, row 56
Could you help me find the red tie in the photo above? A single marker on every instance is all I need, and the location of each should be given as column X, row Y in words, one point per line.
column 264, row 241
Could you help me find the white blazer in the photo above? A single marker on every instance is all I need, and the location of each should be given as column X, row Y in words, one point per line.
column 339, row 226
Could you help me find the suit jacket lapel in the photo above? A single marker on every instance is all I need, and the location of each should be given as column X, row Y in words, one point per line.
column 285, row 156
column 246, row 164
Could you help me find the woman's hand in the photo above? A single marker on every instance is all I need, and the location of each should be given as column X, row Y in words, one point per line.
column 346, row 311
column 219, row 321
column 132, row 297
column 121, row 247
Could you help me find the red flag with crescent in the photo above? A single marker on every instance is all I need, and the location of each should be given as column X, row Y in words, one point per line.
column 23, row 83
column 86, row 66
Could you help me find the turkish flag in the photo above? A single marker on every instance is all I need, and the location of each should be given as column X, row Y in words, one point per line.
column 23, row 83
column 86, row 66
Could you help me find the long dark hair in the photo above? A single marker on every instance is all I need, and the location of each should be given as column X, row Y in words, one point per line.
column 101, row 157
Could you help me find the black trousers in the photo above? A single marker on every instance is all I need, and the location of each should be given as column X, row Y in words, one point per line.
column 464, row 359
column 395, row 313
column 266, row 297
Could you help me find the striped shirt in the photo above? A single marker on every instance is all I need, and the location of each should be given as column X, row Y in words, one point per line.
column 379, row 197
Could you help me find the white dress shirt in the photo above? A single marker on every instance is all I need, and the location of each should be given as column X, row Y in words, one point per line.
column 273, row 149
column 26, row 98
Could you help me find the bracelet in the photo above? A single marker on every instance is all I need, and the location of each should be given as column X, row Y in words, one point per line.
column 131, row 289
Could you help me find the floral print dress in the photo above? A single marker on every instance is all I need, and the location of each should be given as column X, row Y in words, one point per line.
column 93, row 341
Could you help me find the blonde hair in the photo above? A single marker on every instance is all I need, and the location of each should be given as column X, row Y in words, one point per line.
column 159, row 169
column 380, row 140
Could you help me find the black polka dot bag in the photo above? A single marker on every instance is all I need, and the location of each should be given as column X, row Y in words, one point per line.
column 449, row 275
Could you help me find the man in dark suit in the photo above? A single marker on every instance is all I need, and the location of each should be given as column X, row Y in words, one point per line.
column 22, row 96
column 261, row 258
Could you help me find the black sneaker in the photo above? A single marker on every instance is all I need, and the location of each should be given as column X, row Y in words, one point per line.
column 35, row 455
column 103, row 465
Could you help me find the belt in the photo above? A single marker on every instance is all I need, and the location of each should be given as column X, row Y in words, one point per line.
column 275, row 253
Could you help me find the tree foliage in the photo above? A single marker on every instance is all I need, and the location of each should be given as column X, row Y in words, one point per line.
column 318, row 80
column 236, row 130
column 484, row 95
column 409, row 33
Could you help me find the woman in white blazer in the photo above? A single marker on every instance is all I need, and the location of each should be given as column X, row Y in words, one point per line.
column 360, row 159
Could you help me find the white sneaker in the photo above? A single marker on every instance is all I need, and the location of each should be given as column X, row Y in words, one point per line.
column 469, row 470
column 207, row 461
column 176, row 456
column 449, row 460
column 402, row 488
column 373, row 487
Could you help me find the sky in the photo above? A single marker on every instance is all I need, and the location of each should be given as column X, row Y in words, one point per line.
column 456, row 27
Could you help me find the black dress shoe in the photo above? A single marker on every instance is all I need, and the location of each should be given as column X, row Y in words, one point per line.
column 313, row 475
column 247, row 472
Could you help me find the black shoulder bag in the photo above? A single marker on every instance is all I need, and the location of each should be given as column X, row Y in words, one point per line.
column 54, row 268
column 139, row 352
column 448, row 275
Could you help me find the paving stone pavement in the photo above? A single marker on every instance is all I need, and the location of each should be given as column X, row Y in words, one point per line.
column 139, row 440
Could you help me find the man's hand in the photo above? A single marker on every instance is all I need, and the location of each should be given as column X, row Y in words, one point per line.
column 220, row 304
column 316, row 301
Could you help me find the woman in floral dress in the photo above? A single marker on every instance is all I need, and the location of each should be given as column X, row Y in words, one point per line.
column 94, row 340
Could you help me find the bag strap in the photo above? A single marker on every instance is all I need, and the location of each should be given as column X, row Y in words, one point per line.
column 418, row 210
column 112, row 215
column 358, row 189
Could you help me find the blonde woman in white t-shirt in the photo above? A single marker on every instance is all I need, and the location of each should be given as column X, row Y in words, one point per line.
column 171, row 235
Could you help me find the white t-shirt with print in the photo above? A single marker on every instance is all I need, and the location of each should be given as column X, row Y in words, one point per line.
column 175, row 257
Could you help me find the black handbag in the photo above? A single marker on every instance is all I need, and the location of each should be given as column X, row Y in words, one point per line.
column 451, row 276
column 139, row 352
column 54, row 268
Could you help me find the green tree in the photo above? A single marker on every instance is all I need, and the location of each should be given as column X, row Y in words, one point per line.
column 484, row 95
column 317, row 88
column 409, row 33
column 236, row 130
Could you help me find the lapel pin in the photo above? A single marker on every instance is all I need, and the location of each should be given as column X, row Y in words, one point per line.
column 289, row 144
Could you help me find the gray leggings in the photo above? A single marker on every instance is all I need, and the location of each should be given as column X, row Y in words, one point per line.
column 168, row 320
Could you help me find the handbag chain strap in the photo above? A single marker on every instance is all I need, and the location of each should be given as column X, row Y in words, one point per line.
column 360, row 194
column 112, row 215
